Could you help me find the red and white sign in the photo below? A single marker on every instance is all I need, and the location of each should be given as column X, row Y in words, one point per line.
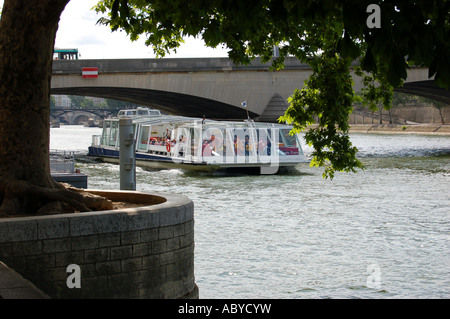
column 90, row 72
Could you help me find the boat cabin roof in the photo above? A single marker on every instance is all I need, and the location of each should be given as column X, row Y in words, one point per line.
column 195, row 122
column 140, row 111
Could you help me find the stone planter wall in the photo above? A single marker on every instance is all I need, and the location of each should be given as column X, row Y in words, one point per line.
column 142, row 252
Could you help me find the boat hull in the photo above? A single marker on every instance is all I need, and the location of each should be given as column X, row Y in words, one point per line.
column 150, row 161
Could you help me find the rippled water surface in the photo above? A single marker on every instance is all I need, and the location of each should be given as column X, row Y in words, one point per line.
column 380, row 233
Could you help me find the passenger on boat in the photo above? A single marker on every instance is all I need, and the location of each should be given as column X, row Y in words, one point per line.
column 247, row 146
column 218, row 145
column 238, row 146
column 209, row 146
column 212, row 142
column 268, row 147
column 167, row 134
column 261, row 147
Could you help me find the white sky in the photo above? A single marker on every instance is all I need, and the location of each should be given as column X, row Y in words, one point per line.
column 78, row 29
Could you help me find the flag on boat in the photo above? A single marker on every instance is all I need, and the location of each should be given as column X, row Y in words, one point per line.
column 244, row 104
column 89, row 72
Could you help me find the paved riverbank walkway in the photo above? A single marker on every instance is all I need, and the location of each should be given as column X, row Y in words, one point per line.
column 429, row 129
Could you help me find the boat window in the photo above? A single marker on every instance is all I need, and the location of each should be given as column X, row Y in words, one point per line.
column 228, row 144
column 264, row 138
column 142, row 112
column 213, row 139
column 143, row 137
column 288, row 143
column 156, row 136
column 243, row 141
column 114, row 132
column 195, row 141
column 181, row 144
column 287, row 139
column 105, row 132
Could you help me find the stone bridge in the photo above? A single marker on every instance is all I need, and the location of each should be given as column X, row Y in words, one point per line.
column 213, row 87
column 79, row 116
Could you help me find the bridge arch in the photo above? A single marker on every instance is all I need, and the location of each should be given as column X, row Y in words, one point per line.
column 80, row 119
column 58, row 118
column 428, row 89
column 74, row 116
column 169, row 102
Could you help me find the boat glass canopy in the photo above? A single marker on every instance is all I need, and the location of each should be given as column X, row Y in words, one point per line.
column 197, row 141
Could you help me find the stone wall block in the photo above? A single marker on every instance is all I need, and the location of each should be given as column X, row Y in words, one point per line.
column 53, row 228
column 22, row 229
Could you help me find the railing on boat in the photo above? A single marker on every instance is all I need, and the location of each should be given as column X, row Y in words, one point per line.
column 62, row 161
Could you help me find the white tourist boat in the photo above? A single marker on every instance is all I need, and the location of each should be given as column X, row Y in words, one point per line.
column 166, row 141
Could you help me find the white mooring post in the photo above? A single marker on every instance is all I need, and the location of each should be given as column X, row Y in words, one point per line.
column 127, row 155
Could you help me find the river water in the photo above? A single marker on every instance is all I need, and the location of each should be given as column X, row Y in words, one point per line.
column 380, row 233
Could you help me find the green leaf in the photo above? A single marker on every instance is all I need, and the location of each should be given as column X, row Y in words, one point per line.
column 397, row 69
column 347, row 48
column 368, row 62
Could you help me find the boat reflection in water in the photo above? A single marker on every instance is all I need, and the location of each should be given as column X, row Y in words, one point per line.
column 166, row 141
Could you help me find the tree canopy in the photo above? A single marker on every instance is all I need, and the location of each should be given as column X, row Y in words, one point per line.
column 384, row 37
column 410, row 32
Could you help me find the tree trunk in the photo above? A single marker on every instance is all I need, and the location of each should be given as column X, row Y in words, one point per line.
column 27, row 36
